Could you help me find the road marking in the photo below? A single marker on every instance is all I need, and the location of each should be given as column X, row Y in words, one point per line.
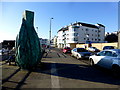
column 54, row 77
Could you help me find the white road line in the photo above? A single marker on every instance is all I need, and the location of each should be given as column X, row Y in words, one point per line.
column 54, row 77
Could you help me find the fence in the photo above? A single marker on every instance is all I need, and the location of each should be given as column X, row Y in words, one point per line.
column 98, row 45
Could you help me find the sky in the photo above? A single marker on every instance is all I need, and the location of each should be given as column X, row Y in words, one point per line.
column 64, row 13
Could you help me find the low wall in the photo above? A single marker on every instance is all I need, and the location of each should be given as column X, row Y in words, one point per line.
column 98, row 45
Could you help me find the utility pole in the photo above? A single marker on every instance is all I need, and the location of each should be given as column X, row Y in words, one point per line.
column 50, row 33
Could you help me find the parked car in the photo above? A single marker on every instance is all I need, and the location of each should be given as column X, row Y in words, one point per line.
column 109, row 58
column 108, row 47
column 66, row 50
column 93, row 49
column 80, row 53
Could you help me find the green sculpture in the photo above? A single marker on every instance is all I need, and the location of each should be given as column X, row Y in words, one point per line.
column 28, row 50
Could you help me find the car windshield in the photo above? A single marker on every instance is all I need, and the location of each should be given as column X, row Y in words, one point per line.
column 81, row 50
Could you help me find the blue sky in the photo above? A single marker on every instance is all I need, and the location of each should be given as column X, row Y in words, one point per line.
column 63, row 13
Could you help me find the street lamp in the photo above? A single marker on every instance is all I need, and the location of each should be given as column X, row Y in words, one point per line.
column 50, row 31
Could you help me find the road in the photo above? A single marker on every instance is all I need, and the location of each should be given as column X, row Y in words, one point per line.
column 59, row 70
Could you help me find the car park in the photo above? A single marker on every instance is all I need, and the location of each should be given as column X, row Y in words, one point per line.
column 109, row 58
column 108, row 47
column 93, row 49
column 80, row 53
column 66, row 50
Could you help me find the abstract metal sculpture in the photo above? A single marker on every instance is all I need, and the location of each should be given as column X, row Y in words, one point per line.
column 28, row 49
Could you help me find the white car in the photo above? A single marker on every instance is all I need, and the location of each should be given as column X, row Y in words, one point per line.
column 93, row 49
column 80, row 53
column 109, row 58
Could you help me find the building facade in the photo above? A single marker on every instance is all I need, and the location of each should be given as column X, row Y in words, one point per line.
column 44, row 41
column 55, row 41
column 80, row 33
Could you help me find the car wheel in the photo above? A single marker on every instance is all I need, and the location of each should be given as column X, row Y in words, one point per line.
column 115, row 70
column 78, row 57
column 92, row 62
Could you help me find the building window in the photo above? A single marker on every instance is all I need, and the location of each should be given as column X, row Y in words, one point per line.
column 75, row 34
column 99, row 39
column 75, row 29
column 75, row 39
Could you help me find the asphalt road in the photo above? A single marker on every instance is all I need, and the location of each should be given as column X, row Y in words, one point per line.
column 60, row 71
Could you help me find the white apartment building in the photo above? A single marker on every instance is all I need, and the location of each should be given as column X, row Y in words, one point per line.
column 55, row 41
column 80, row 33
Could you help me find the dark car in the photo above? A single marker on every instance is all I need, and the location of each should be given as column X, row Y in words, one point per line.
column 108, row 47
column 67, row 50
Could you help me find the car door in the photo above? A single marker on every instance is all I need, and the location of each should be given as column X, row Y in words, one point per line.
column 98, row 57
column 107, row 61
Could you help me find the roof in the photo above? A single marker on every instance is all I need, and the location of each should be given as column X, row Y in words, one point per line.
column 63, row 29
column 85, row 24
column 100, row 25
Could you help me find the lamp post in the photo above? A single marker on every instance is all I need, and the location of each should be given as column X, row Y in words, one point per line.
column 50, row 33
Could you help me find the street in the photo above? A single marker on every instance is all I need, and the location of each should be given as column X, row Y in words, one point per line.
column 58, row 70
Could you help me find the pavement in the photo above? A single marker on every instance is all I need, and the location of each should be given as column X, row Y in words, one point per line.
column 57, row 71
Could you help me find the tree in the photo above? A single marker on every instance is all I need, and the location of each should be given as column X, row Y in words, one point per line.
column 111, row 38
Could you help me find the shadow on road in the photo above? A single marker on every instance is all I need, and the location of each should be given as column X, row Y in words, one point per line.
column 81, row 72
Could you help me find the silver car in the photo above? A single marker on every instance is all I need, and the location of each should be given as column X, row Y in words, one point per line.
column 109, row 58
column 80, row 53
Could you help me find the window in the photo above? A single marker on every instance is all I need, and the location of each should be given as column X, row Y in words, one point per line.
column 114, row 55
column 75, row 34
column 75, row 39
column 67, row 38
column 108, row 53
column 101, row 53
column 75, row 49
column 99, row 39
column 75, row 29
